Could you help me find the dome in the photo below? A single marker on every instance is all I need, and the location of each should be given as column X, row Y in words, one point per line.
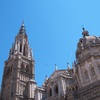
column 87, row 40
column 91, row 39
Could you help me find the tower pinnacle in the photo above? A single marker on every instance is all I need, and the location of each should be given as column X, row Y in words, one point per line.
column 83, row 29
column 19, row 70
column 56, row 68
column 22, row 29
column 22, row 23
column 68, row 66
column 85, row 33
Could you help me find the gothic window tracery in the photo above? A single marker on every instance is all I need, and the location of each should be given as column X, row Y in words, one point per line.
column 73, row 89
column 56, row 89
column 92, row 71
column 69, row 89
column 22, row 67
column 27, row 68
column 86, row 75
column 20, row 47
column 50, row 92
column 76, row 87
column 24, row 51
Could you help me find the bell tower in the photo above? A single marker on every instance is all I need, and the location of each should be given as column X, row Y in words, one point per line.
column 18, row 81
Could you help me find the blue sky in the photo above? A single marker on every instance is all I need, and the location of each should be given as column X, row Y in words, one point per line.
column 53, row 28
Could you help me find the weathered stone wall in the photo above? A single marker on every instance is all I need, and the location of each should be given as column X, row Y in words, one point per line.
column 90, row 92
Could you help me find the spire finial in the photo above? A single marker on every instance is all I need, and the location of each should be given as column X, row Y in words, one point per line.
column 83, row 29
column 68, row 65
column 85, row 32
column 56, row 68
column 23, row 22
column 22, row 29
column 46, row 78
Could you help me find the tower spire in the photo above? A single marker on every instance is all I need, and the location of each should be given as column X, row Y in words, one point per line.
column 19, row 63
column 22, row 29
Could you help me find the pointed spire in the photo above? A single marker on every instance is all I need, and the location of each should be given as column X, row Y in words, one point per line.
column 68, row 66
column 22, row 29
column 75, row 63
column 74, row 66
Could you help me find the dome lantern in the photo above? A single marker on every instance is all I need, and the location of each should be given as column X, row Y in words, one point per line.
column 85, row 33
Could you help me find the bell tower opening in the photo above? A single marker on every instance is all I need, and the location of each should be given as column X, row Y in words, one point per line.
column 56, row 89
column 24, row 51
column 20, row 47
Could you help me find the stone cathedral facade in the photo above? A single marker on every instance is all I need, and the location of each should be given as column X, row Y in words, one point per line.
column 81, row 82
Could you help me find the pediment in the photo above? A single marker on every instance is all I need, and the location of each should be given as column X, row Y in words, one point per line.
column 57, row 73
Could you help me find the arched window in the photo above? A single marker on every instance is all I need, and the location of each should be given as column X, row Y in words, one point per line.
column 73, row 89
column 20, row 47
column 92, row 71
column 86, row 75
column 56, row 89
column 27, row 68
column 24, row 51
column 76, row 87
column 50, row 92
column 69, row 89
column 22, row 66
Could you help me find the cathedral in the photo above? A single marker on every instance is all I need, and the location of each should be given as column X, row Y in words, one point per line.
column 81, row 82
